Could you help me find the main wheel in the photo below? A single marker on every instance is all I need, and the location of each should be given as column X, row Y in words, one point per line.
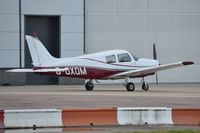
column 89, row 86
column 145, row 86
column 130, row 86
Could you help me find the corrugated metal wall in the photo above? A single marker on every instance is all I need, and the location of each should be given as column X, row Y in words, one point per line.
column 134, row 25
column 173, row 25
column 9, row 33
column 71, row 15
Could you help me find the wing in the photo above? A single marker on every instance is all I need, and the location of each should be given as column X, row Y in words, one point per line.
column 150, row 70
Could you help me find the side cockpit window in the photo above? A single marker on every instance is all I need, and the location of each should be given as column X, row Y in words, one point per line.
column 111, row 59
column 124, row 57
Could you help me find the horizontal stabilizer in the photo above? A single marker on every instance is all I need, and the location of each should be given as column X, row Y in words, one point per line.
column 38, row 70
column 21, row 70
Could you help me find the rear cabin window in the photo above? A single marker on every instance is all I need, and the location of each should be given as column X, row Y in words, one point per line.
column 111, row 59
column 124, row 57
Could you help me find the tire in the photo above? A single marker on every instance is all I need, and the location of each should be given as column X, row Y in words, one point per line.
column 145, row 87
column 130, row 86
column 89, row 86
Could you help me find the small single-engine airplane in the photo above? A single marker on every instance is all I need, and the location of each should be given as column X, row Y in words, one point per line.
column 112, row 64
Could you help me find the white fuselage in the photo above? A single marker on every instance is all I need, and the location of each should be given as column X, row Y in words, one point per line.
column 97, row 65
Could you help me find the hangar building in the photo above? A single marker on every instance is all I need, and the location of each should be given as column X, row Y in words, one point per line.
column 73, row 27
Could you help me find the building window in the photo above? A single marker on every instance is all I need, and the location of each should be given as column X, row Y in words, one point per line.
column 124, row 57
column 111, row 59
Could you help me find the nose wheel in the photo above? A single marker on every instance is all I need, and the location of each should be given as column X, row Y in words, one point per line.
column 89, row 85
column 145, row 86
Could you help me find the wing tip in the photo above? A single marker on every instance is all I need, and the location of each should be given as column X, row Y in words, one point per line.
column 187, row 63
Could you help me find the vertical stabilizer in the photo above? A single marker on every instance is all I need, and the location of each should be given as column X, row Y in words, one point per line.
column 39, row 54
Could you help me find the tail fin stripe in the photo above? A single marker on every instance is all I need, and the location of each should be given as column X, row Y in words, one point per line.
column 36, row 51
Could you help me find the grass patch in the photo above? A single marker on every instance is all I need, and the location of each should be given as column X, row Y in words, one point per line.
column 173, row 131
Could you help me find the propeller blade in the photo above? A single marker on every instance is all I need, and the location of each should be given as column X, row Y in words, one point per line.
column 155, row 58
column 156, row 78
column 154, row 52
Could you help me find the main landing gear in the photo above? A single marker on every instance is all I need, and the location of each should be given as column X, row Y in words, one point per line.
column 89, row 85
column 131, row 87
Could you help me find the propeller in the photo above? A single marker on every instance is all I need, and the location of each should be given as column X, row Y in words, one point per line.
column 154, row 52
column 155, row 58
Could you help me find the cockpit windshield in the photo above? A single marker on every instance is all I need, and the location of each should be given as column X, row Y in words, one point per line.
column 134, row 57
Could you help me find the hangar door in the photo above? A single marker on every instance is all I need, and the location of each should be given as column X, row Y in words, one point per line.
column 47, row 29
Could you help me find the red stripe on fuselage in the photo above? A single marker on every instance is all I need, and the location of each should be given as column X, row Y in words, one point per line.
column 79, row 72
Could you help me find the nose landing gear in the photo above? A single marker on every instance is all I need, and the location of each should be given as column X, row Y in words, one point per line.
column 131, row 87
column 145, row 86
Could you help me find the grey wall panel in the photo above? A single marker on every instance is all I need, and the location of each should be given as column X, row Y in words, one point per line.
column 9, row 58
column 71, row 53
column 160, row 22
column 161, row 6
column 131, row 6
column 94, row 41
column 129, row 22
column 188, row 74
column 9, row 23
column 188, row 22
column 98, row 22
column 97, row 5
column 187, row 6
column 67, row 7
column 9, row 7
column 72, row 23
column 9, row 41
column 192, row 37
column 173, row 25
column 72, row 44
column 9, row 33
column 72, row 41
